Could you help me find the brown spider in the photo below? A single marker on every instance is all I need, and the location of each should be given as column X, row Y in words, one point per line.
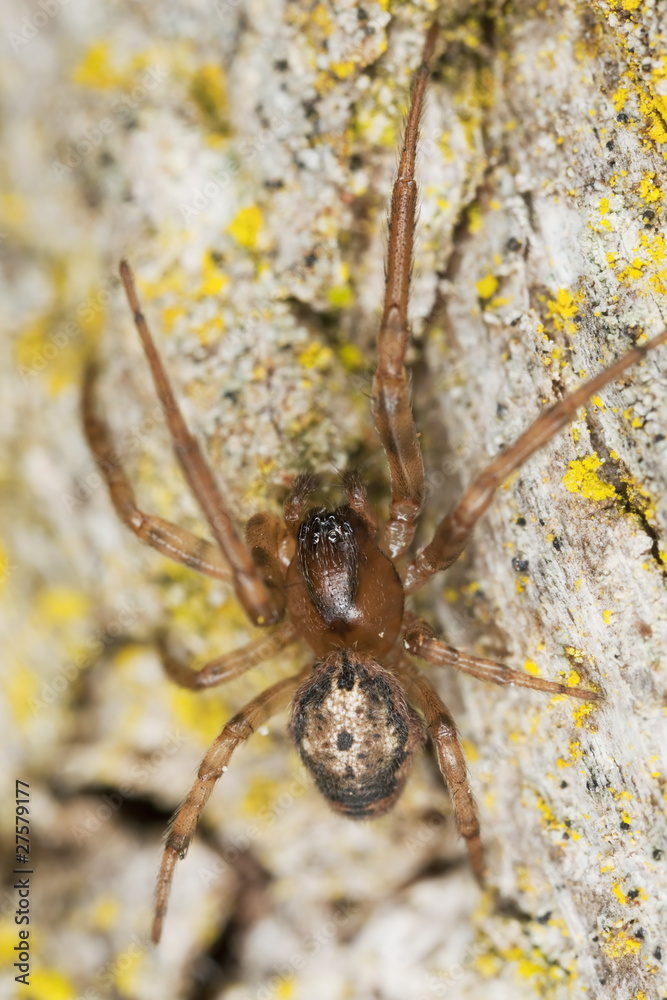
column 342, row 593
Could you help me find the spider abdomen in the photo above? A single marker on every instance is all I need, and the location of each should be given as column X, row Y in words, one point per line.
column 356, row 733
column 342, row 590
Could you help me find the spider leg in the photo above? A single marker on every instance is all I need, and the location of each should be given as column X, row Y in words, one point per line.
column 167, row 538
column 451, row 759
column 419, row 639
column 390, row 393
column 229, row 665
column 185, row 821
column 264, row 534
column 295, row 505
column 452, row 533
column 358, row 500
column 250, row 588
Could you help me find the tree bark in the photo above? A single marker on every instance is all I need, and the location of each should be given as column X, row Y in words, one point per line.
column 241, row 156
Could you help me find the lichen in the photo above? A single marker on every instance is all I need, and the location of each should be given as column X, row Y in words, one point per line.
column 581, row 478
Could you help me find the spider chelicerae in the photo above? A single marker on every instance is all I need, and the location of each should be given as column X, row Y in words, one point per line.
column 362, row 709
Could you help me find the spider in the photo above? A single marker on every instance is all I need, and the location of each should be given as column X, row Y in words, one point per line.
column 323, row 576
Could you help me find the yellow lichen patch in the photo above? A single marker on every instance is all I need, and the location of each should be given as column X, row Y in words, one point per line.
column 246, row 226
column 548, row 816
column 20, row 687
column 340, row 296
column 581, row 478
column 13, row 209
column 445, row 149
column 342, row 69
column 474, row 220
column 321, row 18
column 620, row 945
column 5, row 567
column 470, row 750
column 563, row 308
column 169, row 316
column 48, row 348
column 96, row 69
column 209, row 92
column 489, row 965
column 639, row 497
column 49, row 984
column 500, row 300
column 648, row 189
column 616, row 889
column 208, row 332
column 7, row 942
column 486, row 286
column 199, row 713
column 654, row 107
column 125, row 970
column 286, row 987
column 603, row 206
column 105, row 913
column 654, row 246
column 171, row 281
column 633, row 271
column 316, row 356
column 579, row 714
column 535, row 967
column 213, row 279
column 60, row 605
column 351, row 357
column 260, row 796
column 531, row 668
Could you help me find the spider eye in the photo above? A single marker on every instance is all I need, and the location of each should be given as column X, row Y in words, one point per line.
column 333, row 536
column 316, row 537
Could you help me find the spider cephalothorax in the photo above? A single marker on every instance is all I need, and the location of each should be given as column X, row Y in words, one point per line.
column 356, row 732
column 341, row 588
column 328, row 556
column 341, row 583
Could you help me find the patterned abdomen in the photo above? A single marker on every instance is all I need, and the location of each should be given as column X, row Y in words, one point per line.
column 355, row 731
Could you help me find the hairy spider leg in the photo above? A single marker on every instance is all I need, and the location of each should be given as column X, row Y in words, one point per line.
column 357, row 498
column 452, row 533
column 355, row 493
column 251, row 589
column 230, row 665
column 420, row 640
column 451, row 759
column 172, row 541
column 297, row 499
column 390, row 393
column 217, row 757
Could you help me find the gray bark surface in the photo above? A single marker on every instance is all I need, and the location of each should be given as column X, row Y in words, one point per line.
column 241, row 154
